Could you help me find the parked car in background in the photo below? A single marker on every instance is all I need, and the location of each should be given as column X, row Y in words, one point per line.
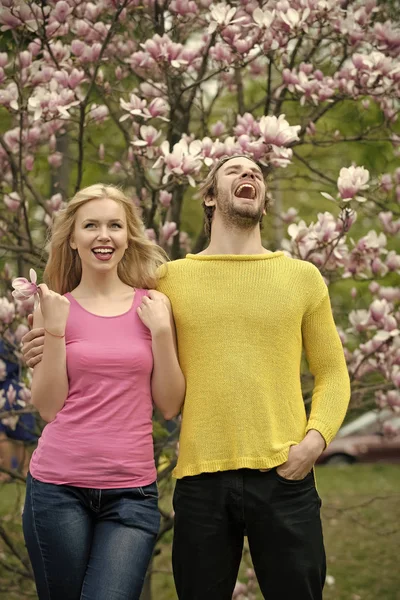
column 363, row 441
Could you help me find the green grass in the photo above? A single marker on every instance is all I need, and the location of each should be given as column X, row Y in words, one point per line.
column 361, row 515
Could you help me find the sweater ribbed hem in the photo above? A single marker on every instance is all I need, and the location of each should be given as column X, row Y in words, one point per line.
column 213, row 466
column 322, row 428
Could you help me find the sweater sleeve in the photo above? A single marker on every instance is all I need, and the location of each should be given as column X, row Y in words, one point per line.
column 327, row 363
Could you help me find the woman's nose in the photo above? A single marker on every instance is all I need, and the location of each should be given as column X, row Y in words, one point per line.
column 103, row 233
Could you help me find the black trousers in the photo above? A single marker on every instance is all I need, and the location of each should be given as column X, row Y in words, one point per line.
column 281, row 518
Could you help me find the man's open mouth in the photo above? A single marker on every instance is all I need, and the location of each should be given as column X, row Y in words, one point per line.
column 246, row 190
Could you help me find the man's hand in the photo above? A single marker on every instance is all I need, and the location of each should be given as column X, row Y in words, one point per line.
column 302, row 457
column 32, row 345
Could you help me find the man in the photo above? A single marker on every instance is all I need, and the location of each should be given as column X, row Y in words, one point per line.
column 247, row 449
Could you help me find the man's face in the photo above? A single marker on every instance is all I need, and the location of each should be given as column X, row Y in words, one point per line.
column 240, row 192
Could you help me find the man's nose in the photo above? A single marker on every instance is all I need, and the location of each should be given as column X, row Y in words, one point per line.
column 247, row 173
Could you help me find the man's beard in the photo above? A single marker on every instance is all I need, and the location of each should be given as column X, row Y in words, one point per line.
column 239, row 217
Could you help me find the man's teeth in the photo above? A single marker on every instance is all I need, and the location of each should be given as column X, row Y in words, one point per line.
column 103, row 251
column 244, row 186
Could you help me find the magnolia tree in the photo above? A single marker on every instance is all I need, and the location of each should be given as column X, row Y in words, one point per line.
column 150, row 94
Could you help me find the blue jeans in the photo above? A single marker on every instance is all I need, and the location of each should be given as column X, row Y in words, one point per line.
column 89, row 544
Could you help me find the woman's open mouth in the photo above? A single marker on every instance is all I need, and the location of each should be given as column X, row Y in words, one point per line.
column 103, row 253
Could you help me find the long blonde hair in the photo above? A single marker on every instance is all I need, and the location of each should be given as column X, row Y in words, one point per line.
column 139, row 264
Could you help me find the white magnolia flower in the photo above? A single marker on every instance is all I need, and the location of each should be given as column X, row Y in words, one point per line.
column 263, row 18
column 351, row 181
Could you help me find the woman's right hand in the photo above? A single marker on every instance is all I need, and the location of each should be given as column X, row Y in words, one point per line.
column 55, row 310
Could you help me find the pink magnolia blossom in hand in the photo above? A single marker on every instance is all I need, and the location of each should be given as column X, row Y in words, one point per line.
column 24, row 289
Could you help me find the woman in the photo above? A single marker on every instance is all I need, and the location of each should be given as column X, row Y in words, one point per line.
column 91, row 518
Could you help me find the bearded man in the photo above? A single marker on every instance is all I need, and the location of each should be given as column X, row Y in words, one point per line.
column 247, row 449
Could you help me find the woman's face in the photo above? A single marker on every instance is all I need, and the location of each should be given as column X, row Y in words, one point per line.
column 100, row 234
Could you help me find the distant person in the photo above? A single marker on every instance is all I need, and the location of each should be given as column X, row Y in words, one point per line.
column 15, row 441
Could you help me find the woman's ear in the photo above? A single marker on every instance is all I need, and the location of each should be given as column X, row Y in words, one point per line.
column 72, row 243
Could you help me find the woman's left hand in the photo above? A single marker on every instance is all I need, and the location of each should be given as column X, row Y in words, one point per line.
column 154, row 312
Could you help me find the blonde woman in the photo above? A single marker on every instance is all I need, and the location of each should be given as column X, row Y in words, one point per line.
column 91, row 518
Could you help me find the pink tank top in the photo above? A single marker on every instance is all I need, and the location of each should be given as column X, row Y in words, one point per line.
column 102, row 437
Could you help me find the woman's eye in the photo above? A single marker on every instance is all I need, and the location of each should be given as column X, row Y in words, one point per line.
column 117, row 225
column 89, row 225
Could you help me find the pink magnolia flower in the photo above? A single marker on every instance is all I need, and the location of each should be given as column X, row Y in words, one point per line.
column 183, row 161
column 12, row 201
column 98, row 113
column 167, row 232
column 55, row 160
column 184, row 8
column 8, row 20
column 11, row 395
column 289, row 216
column 24, row 289
column 393, row 261
column 277, row 131
column 390, row 226
column 264, row 19
column 391, row 294
column 280, row 157
column 24, row 395
column 7, row 311
column 379, row 309
column 165, row 198
column 61, row 11
column 158, row 107
column 55, row 203
column 360, row 320
column 395, row 375
column 390, row 429
column 29, row 162
column 11, row 422
column 20, row 332
column 293, row 18
column 386, row 182
column 217, row 129
column 25, row 59
column 149, row 136
column 151, row 235
column 222, row 15
column 351, row 181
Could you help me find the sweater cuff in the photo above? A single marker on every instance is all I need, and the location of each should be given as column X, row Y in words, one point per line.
column 322, row 428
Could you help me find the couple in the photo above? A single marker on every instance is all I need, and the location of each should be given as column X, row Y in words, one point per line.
column 104, row 350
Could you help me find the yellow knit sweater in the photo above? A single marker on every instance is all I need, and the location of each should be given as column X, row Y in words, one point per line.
column 241, row 324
